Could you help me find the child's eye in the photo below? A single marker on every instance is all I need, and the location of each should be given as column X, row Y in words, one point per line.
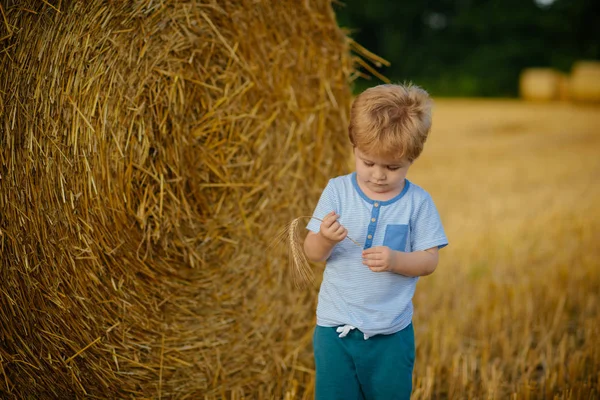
column 393, row 168
column 368, row 164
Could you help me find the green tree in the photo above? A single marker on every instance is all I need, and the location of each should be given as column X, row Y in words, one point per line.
column 472, row 47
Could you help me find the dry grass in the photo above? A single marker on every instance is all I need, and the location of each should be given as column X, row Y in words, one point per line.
column 291, row 239
column 513, row 310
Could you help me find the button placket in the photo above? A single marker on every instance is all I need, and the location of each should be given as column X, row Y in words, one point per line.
column 372, row 225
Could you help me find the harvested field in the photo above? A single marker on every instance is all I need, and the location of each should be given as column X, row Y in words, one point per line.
column 513, row 310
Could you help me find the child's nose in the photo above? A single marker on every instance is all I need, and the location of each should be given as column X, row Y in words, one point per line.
column 379, row 174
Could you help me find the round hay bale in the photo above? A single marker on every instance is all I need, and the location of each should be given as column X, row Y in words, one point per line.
column 585, row 81
column 150, row 151
column 563, row 86
column 539, row 84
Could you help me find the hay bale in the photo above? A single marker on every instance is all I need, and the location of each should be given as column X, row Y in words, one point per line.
column 539, row 84
column 563, row 86
column 585, row 81
column 149, row 153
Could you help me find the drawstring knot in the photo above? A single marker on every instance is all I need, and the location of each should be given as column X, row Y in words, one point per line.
column 344, row 330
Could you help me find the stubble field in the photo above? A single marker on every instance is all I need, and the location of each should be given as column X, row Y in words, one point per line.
column 513, row 310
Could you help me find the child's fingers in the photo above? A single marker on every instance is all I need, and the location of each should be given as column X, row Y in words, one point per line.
column 330, row 219
column 372, row 257
column 375, row 265
column 338, row 228
column 373, row 250
column 370, row 263
column 370, row 251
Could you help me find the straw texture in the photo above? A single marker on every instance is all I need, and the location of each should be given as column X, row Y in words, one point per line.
column 150, row 152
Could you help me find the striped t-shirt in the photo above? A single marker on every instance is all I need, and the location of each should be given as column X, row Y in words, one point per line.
column 352, row 294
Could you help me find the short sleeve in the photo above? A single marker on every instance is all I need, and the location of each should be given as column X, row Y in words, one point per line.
column 426, row 226
column 327, row 203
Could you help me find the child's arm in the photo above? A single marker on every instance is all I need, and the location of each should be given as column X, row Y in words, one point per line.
column 318, row 246
column 417, row 263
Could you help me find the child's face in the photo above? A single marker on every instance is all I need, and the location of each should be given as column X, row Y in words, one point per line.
column 380, row 175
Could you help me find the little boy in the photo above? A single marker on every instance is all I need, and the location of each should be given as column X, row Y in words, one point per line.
column 364, row 340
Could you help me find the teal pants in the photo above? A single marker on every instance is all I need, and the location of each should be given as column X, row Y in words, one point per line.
column 352, row 368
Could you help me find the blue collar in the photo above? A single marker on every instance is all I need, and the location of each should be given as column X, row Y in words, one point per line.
column 383, row 203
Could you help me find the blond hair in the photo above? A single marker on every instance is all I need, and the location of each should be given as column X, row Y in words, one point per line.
column 391, row 120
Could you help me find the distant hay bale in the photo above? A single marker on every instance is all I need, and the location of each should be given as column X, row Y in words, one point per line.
column 563, row 86
column 150, row 151
column 540, row 84
column 585, row 81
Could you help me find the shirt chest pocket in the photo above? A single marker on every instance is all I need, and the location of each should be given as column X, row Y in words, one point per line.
column 395, row 237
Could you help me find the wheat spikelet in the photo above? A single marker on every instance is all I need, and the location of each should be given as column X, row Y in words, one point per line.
column 302, row 273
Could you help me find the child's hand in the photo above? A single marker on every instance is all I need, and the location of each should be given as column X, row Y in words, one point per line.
column 331, row 229
column 379, row 258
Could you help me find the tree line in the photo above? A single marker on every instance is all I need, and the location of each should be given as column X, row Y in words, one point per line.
column 472, row 47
